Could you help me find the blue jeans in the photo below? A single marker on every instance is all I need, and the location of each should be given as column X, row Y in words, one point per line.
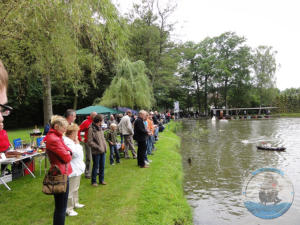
column 61, row 201
column 98, row 163
column 149, row 145
column 146, row 157
column 122, row 138
column 156, row 132
column 114, row 150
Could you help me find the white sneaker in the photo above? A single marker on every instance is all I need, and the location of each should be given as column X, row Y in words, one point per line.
column 147, row 163
column 149, row 160
column 72, row 213
column 78, row 206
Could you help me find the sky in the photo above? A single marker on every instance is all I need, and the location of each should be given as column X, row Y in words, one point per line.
column 273, row 23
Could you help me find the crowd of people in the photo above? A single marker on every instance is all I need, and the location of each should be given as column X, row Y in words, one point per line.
column 64, row 149
column 67, row 143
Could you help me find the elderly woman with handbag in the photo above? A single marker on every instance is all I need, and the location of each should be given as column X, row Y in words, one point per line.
column 78, row 167
column 97, row 143
column 60, row 157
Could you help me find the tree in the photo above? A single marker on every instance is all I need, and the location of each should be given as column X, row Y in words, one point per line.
column 206, row 60
column 229, row 48
column 264, row 69
column 130, row 87
column 73, row 45
column 149, row 41
column 218, row 65
column 190, row 70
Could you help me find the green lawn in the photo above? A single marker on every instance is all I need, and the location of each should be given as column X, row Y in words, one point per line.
column 289, row 114
column 20, row 133
column 132, row 196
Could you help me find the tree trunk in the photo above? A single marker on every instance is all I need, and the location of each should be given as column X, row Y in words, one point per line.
column 205, row 95
column 47, row 98
column 75, row 101
column 225, row 92
column 198, row 95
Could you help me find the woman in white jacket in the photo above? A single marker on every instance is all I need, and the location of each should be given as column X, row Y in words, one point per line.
column 78, row 167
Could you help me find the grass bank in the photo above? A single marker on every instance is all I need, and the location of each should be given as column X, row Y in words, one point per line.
column 289, row 114
column 132, row 196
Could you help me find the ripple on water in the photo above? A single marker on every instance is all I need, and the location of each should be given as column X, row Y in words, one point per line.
column 221, row 161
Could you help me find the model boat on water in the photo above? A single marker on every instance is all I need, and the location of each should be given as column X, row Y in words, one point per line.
column 270, row 148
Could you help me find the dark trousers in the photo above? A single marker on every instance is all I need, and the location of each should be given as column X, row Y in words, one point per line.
column 88, row 160
column 61, row 201
column 98, row 163
column 142, row 147
column 114, row 150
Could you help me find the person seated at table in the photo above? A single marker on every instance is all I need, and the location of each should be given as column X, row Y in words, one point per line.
column 78, row 167
column 4, row 142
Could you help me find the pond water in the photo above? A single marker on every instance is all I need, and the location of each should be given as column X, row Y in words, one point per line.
column 223, row 154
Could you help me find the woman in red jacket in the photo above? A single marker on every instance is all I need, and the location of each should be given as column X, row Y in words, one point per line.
column 59, row 154
column 4, row 142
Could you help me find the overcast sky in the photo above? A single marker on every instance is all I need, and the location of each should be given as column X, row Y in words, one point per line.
column 262, row 22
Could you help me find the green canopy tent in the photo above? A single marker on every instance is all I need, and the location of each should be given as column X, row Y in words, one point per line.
column 98, row 109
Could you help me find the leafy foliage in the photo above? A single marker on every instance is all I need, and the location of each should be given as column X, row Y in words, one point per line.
column 219, row 71
column 71, row 46
column 130, row 87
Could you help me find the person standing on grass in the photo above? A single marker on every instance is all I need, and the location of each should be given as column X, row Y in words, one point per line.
column 111, row 121
column 150, row 139
column 70, row 115
column 59, row 155
column 156, row 119
column 119, row 118
column 78, row 166
column 145, row 120
column 125, row 128
column 112, row 140
column 84, row 127
column 97, row 143
column 140, row 135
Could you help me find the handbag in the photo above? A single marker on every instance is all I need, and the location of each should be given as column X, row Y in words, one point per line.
column 55, row 182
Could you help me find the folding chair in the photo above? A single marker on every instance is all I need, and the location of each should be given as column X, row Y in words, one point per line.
column 39, row 141
column 17, row 143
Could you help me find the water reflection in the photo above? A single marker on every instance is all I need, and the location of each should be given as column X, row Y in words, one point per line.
column 222, row 156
